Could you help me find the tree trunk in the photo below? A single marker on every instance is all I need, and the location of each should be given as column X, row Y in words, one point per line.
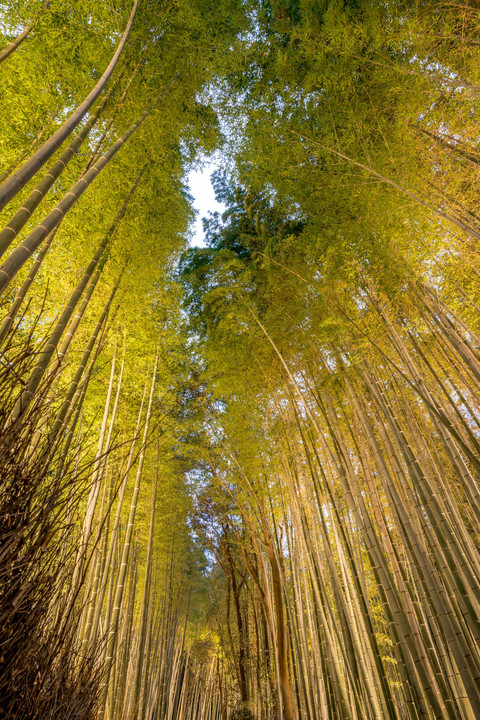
column 10, row 187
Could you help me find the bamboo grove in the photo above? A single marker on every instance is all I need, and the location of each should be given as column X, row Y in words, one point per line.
column 240, row 481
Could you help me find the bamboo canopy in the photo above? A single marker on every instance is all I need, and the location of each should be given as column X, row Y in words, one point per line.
column 240, row 481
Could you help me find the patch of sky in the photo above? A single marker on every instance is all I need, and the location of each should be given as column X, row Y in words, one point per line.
column 204, row 201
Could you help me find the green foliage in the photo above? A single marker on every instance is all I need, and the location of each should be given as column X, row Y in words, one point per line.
column 311, row 288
